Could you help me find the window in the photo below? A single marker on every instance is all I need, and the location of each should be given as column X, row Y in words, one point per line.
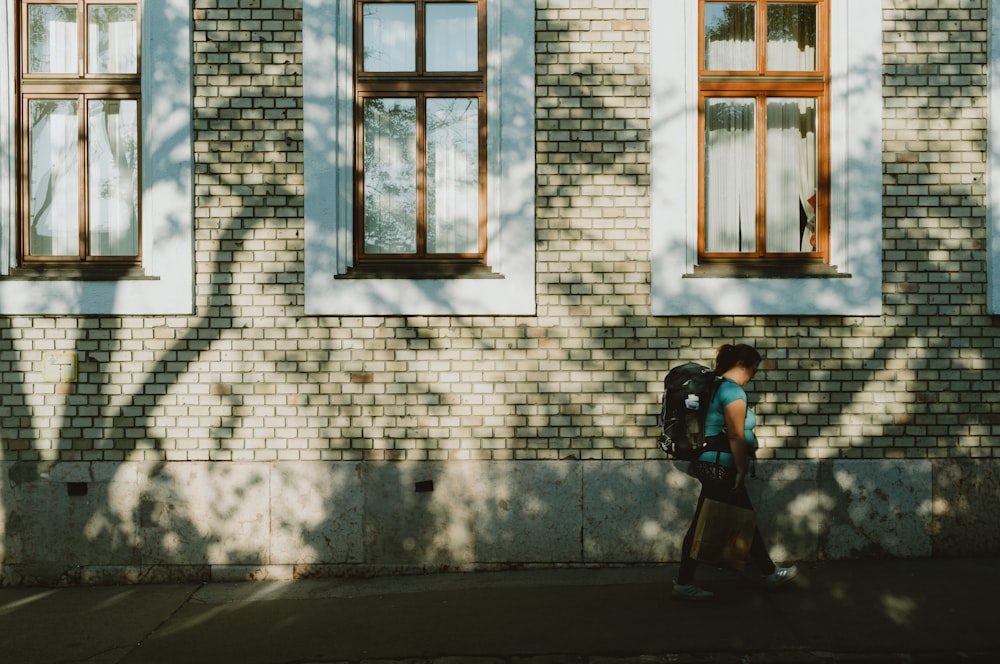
column 96, row 202
column 419, row 157
column 420, row 123
column 763, row 111
column 766, row 157
column 78, row 105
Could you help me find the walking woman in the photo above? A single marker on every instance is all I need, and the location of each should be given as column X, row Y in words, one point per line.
column 723, row 473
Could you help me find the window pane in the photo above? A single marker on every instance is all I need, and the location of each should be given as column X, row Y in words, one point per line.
column 389, row 37
column 730, row 42
column 791, row 174
column 730, row 175
column 452, row 37
column 52, row 39
column 54, row 194
column 390, row 176
column 791, row 37
column 113, row 177
column 112, row 39
column 453, row 176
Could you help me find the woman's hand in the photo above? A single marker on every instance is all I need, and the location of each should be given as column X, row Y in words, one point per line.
column 740, row 482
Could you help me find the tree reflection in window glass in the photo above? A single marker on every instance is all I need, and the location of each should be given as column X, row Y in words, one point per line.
column 390, row 176
column 54, row 180
column 113, row 177
column 112, row 43
column 52, row 39
column 730, row 36
column 791, row 37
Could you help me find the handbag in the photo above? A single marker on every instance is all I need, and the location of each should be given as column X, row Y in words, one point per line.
column 723, row 534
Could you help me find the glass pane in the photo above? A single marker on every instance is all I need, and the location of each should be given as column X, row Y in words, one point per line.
column 112, row 39
column 52, row 39
column 730, row 41
column 452, row 176
column 113, row 177
column 390, row 221
column 792, row 178
column 54, row 180
column 390, row 37
column 791, row 37
column 730, row 175
column 452, row 37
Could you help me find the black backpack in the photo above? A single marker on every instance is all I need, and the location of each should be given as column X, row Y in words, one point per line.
column 688, row 390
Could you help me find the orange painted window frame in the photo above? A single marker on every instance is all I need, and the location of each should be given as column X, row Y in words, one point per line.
column 761, row 84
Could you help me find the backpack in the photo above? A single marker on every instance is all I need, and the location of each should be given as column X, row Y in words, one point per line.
column 688, row 390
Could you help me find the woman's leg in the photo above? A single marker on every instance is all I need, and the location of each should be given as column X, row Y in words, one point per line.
column 758, row 550
column 685, row 575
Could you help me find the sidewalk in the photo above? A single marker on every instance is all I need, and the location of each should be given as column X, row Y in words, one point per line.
column 885, row 611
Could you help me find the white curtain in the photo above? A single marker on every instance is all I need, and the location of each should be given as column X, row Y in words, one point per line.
column 112, row 137
column 112, row 40
column 112, row 172
column 730, row 145
column 730, row 55
column 731, row 130
column 53, row 132
column 452, row 176
column 390, row 194
column 730, row 175
column 730, row 29
column 54, row 178
column 791, row 38
column 53, row 48
column 791, row 174
column 790, row 56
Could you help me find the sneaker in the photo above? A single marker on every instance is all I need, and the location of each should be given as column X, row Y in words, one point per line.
column 691, row 593
column 780, row 576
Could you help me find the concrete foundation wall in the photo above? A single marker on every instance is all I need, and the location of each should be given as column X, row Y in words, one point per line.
column 111, row 523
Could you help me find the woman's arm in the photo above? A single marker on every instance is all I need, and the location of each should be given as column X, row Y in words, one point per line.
column 735, row 414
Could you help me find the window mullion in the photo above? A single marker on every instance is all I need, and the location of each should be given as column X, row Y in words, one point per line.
column 483, row 201
column 761, row 35
column 81, row 40
column 421, row 157
column 83, row 213
column 421, row 37
column 421, row 175
column 761, row 131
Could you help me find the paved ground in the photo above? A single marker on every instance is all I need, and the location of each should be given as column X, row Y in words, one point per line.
column 893, row 611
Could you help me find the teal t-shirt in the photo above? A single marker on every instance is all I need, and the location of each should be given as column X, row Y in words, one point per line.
column 715, row 420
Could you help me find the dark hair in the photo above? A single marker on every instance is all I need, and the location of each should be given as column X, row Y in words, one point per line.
column 729, row 355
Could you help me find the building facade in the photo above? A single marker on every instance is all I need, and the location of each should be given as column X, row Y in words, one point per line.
column 255, row 387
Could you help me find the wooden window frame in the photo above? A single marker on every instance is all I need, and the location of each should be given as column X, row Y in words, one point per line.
column 419, row 85
column 83, row 87
column 761, row 84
